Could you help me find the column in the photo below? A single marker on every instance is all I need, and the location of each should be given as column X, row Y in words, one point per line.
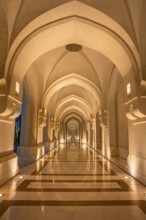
column 136, row 114
column 84, row 140
column 8, row 159
column 98, row 133
column 62, row 137
column 88, row 129
column 31, row 147
column 56, row 133
column 105, row 134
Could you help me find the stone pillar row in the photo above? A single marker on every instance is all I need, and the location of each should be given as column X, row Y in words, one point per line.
column 35, row 148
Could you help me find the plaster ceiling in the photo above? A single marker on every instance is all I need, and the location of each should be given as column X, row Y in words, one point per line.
column 81, row 77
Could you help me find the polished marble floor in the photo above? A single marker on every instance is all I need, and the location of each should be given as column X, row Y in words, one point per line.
column 73, row 182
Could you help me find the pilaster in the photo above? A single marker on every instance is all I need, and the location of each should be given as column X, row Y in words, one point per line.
column 137, row 141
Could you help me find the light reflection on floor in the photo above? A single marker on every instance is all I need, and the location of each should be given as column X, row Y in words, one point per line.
column 74, row 183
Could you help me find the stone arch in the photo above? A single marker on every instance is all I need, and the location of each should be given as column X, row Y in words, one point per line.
column 82, row 28
column 75, row 108
column 71, row 79
column 72, row 98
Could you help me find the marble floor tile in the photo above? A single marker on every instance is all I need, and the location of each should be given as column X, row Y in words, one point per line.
column 89, row 213
column 85, row 196
column 74, row 184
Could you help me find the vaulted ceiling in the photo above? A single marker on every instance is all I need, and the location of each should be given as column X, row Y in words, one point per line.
column 70, row 51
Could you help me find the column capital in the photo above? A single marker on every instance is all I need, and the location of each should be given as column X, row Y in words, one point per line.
column 12, row 109
column 93, row 123
column 134, row 109
column 103, row 118
column 42, row 118
column 88, row 124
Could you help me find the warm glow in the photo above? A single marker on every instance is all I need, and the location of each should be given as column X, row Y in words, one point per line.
column 128, row 89
column 43, row 208
column 126, row 177
column 1, row 194
column 17, row 88
column 21, row 177
column 84, row 146
column 45, row 111
column 84, row 141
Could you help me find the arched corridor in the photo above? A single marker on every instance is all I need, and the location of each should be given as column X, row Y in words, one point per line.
column 73, row 107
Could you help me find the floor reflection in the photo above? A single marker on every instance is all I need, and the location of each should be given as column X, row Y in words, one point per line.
column 72, row 182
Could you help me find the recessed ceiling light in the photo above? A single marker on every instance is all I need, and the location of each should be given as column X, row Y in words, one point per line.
column 144, row 194
column 126, row 177
column 1, row 194
column 20, row 177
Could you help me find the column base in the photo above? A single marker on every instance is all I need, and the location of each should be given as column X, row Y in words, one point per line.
column 137, row 167
column 50, row 147
column 27, row 155
column 106, row 151
column 8, row 167
column 47, row 147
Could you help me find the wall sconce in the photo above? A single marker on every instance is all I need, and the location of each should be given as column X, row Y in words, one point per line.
column 128, row 89
column 17, row 88
column 1, row 194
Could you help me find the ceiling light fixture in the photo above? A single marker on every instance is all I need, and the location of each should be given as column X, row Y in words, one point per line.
column 73, row 47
